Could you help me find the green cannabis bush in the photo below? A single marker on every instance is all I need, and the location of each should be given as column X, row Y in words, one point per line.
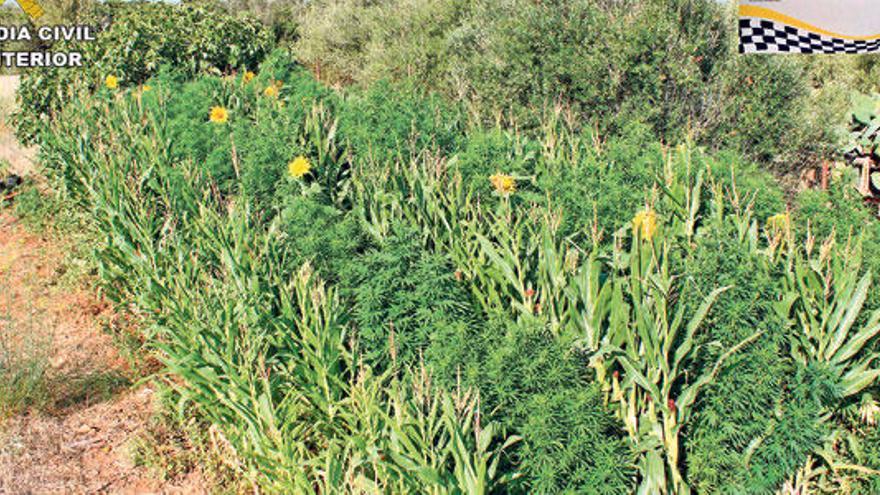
column 318, row 234
column 539, row 387
column 571, row 442
column 738, row 407
column 390, row 122
column 400, row 295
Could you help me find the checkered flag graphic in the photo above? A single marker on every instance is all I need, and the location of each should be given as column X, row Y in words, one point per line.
column 764, row 36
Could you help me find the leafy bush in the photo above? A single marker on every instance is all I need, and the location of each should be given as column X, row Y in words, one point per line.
column 400, row 295
column 572, row 444
column 391, row 122
column 318, row 234
column 671, row 66
column 742, row 436
column 536, row 385
column 143, row 37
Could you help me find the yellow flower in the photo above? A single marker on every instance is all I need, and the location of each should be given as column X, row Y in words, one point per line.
column 147, row 87
column 271, row 91
column 779, row 223
column 645, row 224
column 249, row 76
column 299, row 167
column 503, row 183
column 219, row 115
column 112, row 82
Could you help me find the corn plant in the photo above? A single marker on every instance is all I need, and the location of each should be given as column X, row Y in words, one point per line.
column 319, row 137
column 825, row 295
column 653, row 343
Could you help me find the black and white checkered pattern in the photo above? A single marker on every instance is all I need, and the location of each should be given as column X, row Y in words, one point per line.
column 764, row 36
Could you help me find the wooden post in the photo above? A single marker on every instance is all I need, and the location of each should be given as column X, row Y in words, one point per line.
column 825, row 173
column 865, row 176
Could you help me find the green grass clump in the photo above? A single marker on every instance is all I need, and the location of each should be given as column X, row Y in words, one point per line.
column 24, row 361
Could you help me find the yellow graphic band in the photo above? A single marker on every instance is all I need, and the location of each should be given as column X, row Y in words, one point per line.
column 31, row 8
column 765, row 13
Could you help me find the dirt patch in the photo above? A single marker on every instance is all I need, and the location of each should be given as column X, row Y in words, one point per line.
column 78, row 442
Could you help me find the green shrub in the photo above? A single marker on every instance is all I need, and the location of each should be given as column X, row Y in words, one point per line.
column 143, row 37
column 571, row 444
column 741, row 437
column 194, row 137
column 540, row 387
column 400, row 295
column 361, row 41
column 536, row 385
column 794, row 433
column 609, row 64
column 390, row 122
column 763, row 104
column 318, row 234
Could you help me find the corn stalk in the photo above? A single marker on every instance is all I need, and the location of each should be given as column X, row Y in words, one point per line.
column 825, row 295
column 653, row 343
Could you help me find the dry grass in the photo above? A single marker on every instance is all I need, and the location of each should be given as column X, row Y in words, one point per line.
column 76, row 415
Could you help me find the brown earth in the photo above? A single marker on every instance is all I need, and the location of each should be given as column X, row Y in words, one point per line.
column 78, row 441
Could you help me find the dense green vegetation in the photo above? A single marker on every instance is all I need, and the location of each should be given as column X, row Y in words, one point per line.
column 668, row 65
column 466, row 276
column 142, row 38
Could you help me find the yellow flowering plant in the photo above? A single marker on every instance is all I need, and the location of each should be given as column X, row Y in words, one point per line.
column 111, row 82
column 219, row 115
column 645, row 224
column 299, row 167
column 504, row 184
